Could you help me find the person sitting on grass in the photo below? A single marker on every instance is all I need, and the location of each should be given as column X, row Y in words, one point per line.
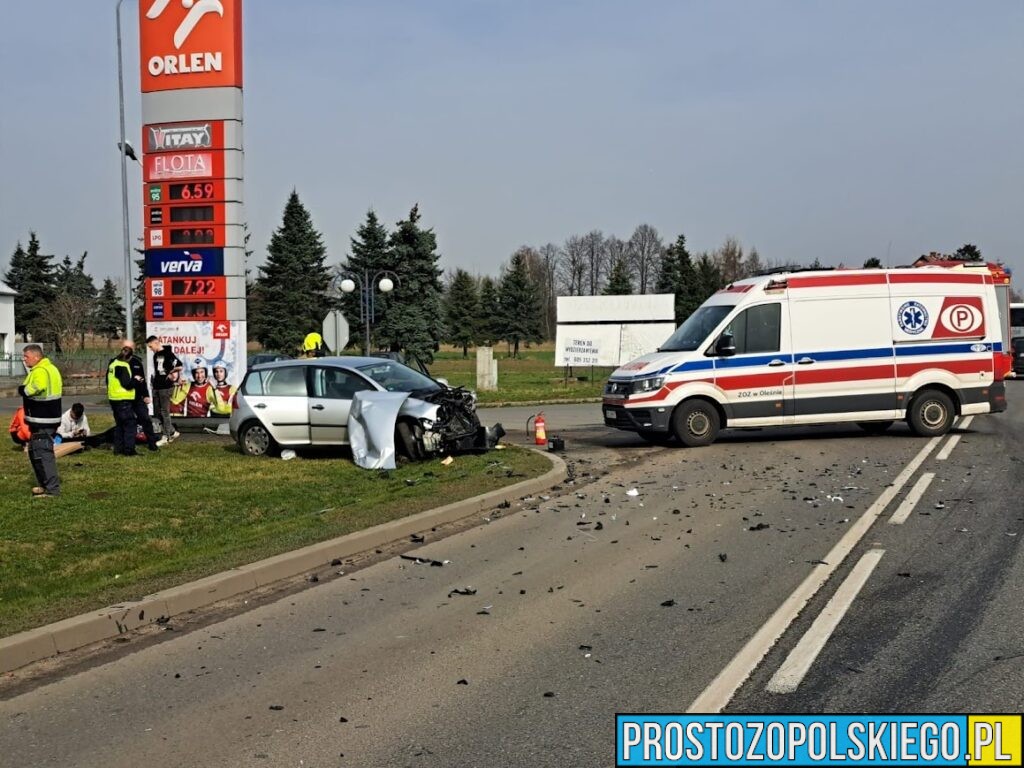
column 74, row 424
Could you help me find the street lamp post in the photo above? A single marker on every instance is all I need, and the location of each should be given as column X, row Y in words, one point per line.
column 124, row 188
column 367, row 304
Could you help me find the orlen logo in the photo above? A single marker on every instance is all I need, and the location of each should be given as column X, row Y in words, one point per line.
column 194, row 263
column 960, row 316
column 190, row 44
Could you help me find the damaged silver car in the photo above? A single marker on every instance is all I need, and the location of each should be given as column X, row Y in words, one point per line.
column 309, row 402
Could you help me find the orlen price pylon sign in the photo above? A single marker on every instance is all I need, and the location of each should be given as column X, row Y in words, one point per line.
column 192, row 194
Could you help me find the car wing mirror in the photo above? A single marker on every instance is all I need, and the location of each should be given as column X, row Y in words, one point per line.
column 726, row 345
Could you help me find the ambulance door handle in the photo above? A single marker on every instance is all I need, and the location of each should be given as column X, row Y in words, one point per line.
column 776, row 363
column 805, row 361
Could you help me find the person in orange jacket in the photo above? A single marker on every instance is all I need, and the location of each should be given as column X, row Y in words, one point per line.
column 20, row 432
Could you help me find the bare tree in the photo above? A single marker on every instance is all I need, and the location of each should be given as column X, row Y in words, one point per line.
column 730, row 260
column 596, row 256
column 550, row 258
column 67, row 318
column 753, row 265
column 645, row 250
column 614, row 250
column 573, row 269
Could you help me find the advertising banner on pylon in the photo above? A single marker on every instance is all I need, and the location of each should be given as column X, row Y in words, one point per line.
column 214, row 358
column 192, row 44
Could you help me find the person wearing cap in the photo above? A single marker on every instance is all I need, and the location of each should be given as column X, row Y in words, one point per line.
column 121, row 394
column 221, row 391
column 40, row 396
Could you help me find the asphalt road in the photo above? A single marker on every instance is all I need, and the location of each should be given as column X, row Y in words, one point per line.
column 588, row 603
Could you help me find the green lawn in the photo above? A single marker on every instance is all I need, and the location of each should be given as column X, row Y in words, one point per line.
column 532, row 377
column 124, row 528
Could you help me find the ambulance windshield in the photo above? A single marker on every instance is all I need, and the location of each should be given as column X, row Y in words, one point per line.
column 695, row 330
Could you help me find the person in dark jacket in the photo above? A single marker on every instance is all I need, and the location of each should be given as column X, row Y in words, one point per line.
column 165, row 364
column 142, row 399
column 121, row 394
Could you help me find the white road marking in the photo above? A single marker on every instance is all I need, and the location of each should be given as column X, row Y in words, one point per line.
column 899, row 517
column 719, row 693
column 796, row 666
column 953, row 440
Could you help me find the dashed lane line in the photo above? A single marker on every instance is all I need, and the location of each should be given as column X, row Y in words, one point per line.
column 796, row 666
column 953, row 440
column 899, row 517
column 719, row 693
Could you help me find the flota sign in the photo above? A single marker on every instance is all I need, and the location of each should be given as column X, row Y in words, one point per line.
column 190, row 44
column 179, row 261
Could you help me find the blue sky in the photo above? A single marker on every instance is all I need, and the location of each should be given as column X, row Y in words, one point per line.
column 836, row 130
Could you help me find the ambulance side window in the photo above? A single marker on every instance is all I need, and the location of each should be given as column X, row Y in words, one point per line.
column 758, row 329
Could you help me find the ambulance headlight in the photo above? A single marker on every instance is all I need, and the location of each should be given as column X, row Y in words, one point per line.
column 646, row 386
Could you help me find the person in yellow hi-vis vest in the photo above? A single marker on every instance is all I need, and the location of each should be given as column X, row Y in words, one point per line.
column 40, row 397
column 121, row 394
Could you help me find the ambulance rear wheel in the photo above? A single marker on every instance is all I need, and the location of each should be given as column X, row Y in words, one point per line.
column 874, row 427
column 696, row 423
column 931, row 413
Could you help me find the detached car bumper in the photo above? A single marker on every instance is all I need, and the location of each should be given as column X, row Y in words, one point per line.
column 636, row 419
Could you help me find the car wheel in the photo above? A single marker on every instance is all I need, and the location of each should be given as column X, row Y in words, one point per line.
column 255, row 440
column 696, row 423
column 407, row 441
column 874, row 427
column 656, row 438
column 931, row 413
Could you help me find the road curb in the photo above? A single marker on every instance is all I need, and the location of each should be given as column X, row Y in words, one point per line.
column 78, row 631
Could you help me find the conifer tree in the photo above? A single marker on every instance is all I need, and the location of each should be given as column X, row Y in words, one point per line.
column 490, row 322
column 462, row 310
column 108, row 319
column 293, row 283
column 873, row 262
column 708, row 278
column 410, row 318
column 370, row 254
column 520, row 304
column 679, row 276
column 77, row 294
column 31, row 274
column 619, row 281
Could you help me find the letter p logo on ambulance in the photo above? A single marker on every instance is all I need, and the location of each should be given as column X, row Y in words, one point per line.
column 960, row 316
column 190, row 44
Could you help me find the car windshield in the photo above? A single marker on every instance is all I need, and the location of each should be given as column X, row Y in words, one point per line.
column 395, row 377
column 1018, row 344
column 693, row 332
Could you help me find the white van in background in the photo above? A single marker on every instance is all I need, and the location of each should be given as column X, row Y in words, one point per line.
column 867, row 346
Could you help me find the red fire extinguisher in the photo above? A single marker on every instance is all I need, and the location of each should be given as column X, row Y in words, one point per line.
column 540, row 435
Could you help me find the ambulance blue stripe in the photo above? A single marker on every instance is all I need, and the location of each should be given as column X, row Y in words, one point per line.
column 946, row 349
column 849, row 354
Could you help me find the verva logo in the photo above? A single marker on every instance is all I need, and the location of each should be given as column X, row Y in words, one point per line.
column 190, row 44
column 960, row 316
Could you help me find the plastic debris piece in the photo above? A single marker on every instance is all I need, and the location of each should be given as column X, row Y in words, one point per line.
column 668, row 603
column 287, row 454
column 463, row 681
column 424, row 560
column 416, row 538
column 632, row 492
column 447, row 461
column 759, row 527
column 462, row 591
column 722, row 556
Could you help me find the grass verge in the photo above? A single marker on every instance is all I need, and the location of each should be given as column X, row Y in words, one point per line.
column 124, row 528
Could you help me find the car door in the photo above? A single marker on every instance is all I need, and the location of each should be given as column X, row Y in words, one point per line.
column 283, row 404
column 757, row 381
column 331, row 393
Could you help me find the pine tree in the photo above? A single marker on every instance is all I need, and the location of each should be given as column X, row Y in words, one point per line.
column 31, row 274
column 293, row 283
column 873, row 263
column 968, row 252
column 678, row 276
column 108, row 319
column 520, row 304
column 708, row 278
column 619, row 281
column 370, row 254
column 410, row 318
column 490, row 321
column 461, row 310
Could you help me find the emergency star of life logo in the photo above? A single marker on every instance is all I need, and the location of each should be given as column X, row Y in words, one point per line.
column 912, row 317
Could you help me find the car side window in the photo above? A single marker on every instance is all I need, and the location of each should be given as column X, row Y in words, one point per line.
column 253, row 384
column 285, row 382
column 758, row 329
column 336, row 384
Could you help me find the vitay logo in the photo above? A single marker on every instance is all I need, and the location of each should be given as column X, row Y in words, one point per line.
column 162, row 138
column 190, row 44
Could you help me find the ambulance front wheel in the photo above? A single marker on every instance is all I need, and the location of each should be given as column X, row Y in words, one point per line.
column 931, row 413
column 696, row 423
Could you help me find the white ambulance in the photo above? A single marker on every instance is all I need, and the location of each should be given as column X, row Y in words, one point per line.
column 868, row 346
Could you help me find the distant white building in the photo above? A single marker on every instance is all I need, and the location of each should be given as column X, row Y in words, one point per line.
column 6, row 321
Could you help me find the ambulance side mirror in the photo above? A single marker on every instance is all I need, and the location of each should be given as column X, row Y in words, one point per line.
column 726, row 345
